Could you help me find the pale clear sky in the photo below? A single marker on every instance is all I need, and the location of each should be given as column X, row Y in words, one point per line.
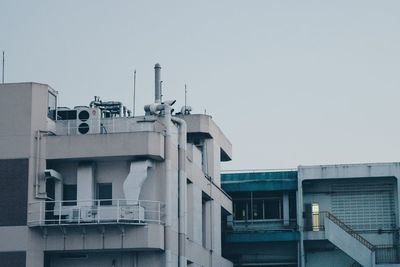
column 289, row 82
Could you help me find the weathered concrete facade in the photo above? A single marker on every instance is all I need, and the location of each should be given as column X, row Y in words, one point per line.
column 137, row 191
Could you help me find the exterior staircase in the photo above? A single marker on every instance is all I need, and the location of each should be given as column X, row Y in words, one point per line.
column 355, row 264
column 349, row 241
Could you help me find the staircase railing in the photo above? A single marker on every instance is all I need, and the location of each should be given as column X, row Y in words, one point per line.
column 355, row 264
column 348, row 230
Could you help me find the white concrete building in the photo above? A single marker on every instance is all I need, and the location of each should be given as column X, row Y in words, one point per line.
column 93, row 186
column 347, row 215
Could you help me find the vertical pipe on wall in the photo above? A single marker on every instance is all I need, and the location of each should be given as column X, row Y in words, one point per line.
column 134, row 95
column 182, row 189
column 157, row 83
column 300, row 220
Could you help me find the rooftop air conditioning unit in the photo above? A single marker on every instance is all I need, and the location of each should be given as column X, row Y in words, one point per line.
column 87, row 120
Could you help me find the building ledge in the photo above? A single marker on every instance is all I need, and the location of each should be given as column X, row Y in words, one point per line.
column 249, row 237
column 135, row 144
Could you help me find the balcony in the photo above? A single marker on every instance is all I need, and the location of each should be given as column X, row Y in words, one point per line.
column 263, row 225
column 241, row 231
column 95, row 212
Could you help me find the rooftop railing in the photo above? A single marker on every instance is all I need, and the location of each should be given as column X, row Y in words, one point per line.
column 98, row 211
column 105, row 126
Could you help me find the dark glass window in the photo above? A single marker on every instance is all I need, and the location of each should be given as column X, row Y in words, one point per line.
column 292, row 207
column 272, row 208
column 69, row 193
column 259, row 206
column 104, row 193
column 203, row 223
column 51, row 106
column 257, row 209
column 241, row 209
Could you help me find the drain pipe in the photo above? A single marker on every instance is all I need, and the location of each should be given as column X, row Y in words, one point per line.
column 182, row 191
column 38, row 154
column 164, row 110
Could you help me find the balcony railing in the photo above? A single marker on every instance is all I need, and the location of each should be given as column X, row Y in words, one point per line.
column 260, row 225
column 99, row 211
column 387, row 254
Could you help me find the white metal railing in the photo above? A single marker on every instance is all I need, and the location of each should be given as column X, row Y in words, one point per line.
column 105, row 125
column 98, row 211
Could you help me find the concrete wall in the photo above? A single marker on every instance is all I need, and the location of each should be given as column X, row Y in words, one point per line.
column 332, row 258
column 24, row 109
column 13, row 192
column 136, row 144
column 148, row 237
column 15, row 131
column 115, row 172
column 320, row 191
column 349, row 244
column 13, row 259
column 106, row 259
column 111, row 155
column 194, row 214
column 262, row 252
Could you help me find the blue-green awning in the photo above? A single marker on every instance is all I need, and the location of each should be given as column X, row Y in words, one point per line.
column 259, row 181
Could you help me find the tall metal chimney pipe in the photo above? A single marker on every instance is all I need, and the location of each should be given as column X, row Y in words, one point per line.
column 157, row 80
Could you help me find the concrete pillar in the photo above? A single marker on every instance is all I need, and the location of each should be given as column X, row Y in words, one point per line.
column 190, row 211
column 207, row 224
column 85, row 184
column 216, row 227
column 285, row 208
column 194, row 221
column 58, row 193
column 300, row 220
column 213, row 155
column 197, row 222
column 34, row 250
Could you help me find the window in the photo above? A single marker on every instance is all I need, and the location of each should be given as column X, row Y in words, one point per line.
column 51, row 106
column 292, row 207
column 272, row 208
column 258, row 209
column 69, row 194
column 241, row 209
column 259, row 205
column 203, row 223
column 104, row 191
column 315, row 216
column 199, row 157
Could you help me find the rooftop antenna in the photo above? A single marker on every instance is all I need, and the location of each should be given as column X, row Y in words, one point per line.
column 2, row 76
column 185, row 96
column 134, row 93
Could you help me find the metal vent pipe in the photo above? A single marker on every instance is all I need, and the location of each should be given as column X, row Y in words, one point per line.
column 157, row 81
